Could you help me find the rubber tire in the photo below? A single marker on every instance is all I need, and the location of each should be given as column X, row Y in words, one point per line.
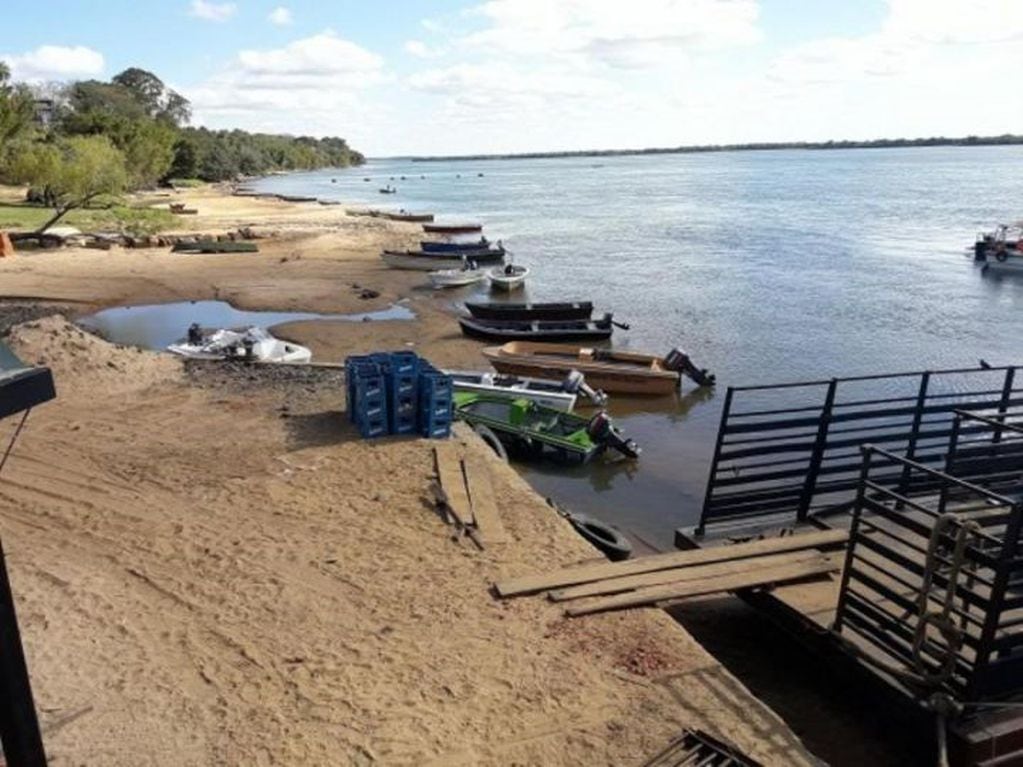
column 1002, row 255
column 488, row 436
column 604, row 537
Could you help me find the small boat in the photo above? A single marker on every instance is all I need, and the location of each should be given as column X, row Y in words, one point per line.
column 411, row 217
column 388, row 190
column 606, row 369
column 1000, row 245
column 452, row 228
column 578, row 310
column 295, row 198
column 431, row 262
column 456, row 278
column 538, row 330
column 453, row 247
column 249, row 344
column 530, row 428
column 557, row 396
column 509, row 277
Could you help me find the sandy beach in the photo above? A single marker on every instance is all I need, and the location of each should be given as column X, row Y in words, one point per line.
column 212, row 568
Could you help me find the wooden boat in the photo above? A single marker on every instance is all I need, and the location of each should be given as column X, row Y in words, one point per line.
column 453, row 247
column 527, row 427
column 510, row 277
column 537, row 330
column 411, row 217
column 250, row 344
column 452, row 228
column 431, row 262
column 579, row 310
column 606, row 369
column 456, row 278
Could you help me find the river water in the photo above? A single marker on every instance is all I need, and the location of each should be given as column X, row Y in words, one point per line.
column 766, row 267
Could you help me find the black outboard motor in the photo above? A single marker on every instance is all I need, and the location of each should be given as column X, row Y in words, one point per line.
column 680, row 362
column 980, row 249
column 601, row 431
column 575, row 383
column 195, row 334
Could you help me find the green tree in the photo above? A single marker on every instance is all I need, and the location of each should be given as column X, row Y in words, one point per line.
column 156, row 99
column 70, row 173
column 17, row 109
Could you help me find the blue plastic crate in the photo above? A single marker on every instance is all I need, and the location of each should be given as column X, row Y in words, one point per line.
column 404, row 363
column 435, row 428
column 403, row 424
column 372, row 427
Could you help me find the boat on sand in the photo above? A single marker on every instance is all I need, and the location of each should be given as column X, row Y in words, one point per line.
column 456, row 278
column 431, row 262
column 452, row 228
column 248, row 344
column 538, row 330
column 502, row 310
column 606, row 369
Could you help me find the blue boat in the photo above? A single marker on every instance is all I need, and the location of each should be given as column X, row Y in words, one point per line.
column 454, row 247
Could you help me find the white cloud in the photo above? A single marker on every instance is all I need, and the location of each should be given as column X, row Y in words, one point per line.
column 417, row 48
column 281, row 16
column 202, row 9
column 54, row 62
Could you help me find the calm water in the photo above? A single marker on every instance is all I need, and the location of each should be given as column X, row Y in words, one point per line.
column 155, row 326
column 766, row 266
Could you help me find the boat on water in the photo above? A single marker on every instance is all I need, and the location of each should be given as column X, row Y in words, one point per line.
column 577, row 310
column 410, row 217
column 431, row 262
column 606, row 369
column 388, row 190
column 557, row 396
column 428, row 246
column 509, row 277
column 251, row 344
column 1002, row 244
column 452, row 228
column 529, row 428
column 456, row 278
column 538, row 330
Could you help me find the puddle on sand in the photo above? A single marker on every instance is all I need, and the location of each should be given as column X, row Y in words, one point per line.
column 154, row 326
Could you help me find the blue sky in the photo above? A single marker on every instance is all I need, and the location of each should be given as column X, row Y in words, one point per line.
column 521, row 75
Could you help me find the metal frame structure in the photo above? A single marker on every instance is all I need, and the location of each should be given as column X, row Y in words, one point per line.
column 792, row 450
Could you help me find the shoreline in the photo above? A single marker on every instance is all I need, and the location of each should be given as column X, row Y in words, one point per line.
column 239, row 578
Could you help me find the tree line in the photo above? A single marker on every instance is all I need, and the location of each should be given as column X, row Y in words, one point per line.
column 87, row 139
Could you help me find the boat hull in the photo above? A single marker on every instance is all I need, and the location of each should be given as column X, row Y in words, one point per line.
column 432, row 262
column 451, row 247
column 495, row 330
column 500, row 280
column 581, row 310
column 546, row 393
column 456, row 278
column 629, row 374
column 452, row 228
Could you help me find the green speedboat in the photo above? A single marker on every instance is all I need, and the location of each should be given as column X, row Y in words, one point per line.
column 525, row 426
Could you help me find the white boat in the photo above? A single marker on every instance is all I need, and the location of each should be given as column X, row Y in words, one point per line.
column 456, row 278
column 421, row 263
column 508, row 277
column 558, row 396
column 250, row 344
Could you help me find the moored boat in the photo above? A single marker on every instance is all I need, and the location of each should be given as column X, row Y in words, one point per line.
column 577, row 310
column 456, row 278
column 1000, row 245
column 430, row 262
column 606, row 369
column 410, row 217
column 509, row 277
column 250, row 344
column 560, row 395
column 452, row 228
column 529, row 427
column 538, row 330
column 428, row 246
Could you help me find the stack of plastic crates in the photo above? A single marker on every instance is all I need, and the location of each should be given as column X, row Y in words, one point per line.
column 398, row 393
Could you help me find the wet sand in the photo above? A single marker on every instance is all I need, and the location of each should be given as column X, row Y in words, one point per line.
column 211, row 567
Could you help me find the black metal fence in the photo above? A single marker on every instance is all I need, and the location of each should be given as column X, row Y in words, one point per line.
column 792, row 449
column 933, row 584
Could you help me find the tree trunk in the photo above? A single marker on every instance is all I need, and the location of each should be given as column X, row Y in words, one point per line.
column 58, row 215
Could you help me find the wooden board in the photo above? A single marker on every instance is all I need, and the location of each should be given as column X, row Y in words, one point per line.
column 481, row 497
column 568, row 577
column 705, row 586
column 678, row 574
column 452, row 483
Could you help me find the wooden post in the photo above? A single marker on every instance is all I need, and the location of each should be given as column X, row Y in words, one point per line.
column 19, row 728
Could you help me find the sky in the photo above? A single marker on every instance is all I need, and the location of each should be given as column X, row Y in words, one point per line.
column 495, row 76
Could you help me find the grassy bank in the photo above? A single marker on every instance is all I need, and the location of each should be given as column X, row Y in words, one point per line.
column 118, row 217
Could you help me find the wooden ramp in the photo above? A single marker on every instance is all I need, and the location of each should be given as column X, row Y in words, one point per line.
column 469, row 495
column 684, row 574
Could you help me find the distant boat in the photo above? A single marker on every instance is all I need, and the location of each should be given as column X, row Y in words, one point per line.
column 606, row 369
column 453, row 247
column 508, row 277
column 558, row 330
column 453, row 228
column 412, row 217
column 1000, row 245
column 388, row 190
column 456, row 278
column 578, row 310
column 431, row 262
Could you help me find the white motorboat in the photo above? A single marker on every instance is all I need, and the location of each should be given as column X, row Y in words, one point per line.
column 250, row 344
column 456, row 278
column 509, row 277
column 557, row 396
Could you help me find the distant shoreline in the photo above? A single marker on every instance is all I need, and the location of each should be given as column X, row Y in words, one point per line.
column 1004, row 140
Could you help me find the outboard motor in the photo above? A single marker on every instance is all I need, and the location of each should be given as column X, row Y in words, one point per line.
column 980, row 249
column 601, row 431
column 575, row 383
column 195, row 334
column 680, row 362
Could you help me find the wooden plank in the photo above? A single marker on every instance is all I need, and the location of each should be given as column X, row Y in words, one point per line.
column 568, row 577
column 678, row 574
column 705, row 586
column 481, row 497
column 452, row 483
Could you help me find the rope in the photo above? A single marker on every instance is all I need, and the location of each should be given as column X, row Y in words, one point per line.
column 14, row 438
